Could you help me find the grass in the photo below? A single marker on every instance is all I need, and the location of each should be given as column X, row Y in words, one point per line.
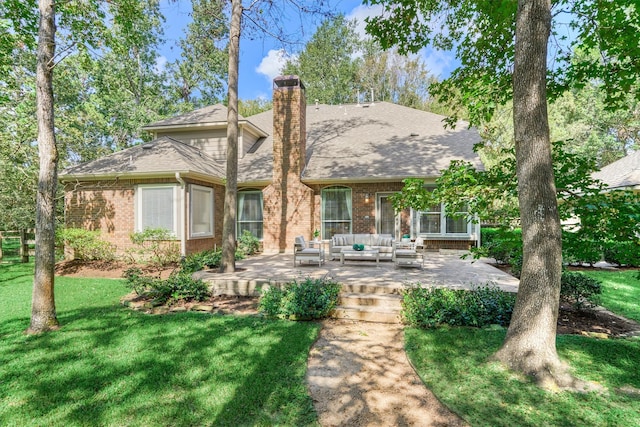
column 109, row 365
column 453, row 364
column 621, row 291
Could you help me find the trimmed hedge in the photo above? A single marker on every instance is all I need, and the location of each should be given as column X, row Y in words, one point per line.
column 623, row 253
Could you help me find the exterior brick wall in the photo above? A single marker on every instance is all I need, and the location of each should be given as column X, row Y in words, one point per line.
column 109, row 207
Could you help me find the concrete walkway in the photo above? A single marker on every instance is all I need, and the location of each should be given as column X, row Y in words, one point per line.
column 440, row 269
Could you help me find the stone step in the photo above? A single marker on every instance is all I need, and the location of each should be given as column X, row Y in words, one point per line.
column 366, row 314
column 382, row 301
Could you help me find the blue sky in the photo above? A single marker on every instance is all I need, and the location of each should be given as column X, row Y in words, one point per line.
column 261, row 58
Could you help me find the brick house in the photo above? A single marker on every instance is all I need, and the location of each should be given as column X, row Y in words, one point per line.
column 301, row 168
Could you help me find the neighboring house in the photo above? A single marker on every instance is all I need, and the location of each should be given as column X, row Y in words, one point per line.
column 623, row 174
column 301, row 168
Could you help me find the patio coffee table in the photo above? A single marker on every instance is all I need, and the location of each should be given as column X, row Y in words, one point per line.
column 366, row 253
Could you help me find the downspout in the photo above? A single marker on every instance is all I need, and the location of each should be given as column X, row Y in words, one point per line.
column 183, row 215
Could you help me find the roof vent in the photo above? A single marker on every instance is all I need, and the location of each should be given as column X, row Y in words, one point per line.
column 147, row 146
column 414, row 134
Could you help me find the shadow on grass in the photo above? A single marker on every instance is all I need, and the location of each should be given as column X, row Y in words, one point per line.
column 11, row 272
column 111, row 366
column 453, row 363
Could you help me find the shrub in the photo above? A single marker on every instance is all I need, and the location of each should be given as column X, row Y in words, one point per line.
column 578, row 250
column 180, row 286
column 622, row 253
column 86, row 245
column 199, row 260
column 305, row 300
column 504, row 245
column 484, row 305
column 157, row 246
column 580, row 290
column 248, row 244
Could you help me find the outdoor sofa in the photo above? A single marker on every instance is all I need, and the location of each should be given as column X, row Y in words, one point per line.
column 383, row 242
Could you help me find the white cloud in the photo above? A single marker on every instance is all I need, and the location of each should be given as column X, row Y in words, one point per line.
column 361, row 12
column 439, row 63
column 161, row 64
column 271, row 65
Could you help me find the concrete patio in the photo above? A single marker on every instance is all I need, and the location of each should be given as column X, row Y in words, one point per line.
column 369, row 292
column 440, row 269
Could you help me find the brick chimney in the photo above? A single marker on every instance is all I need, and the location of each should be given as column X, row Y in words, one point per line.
column 288, row 203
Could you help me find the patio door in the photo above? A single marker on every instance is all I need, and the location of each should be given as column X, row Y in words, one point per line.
column 385, row 215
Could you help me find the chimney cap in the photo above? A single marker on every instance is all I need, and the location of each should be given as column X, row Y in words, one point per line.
column 288, row 81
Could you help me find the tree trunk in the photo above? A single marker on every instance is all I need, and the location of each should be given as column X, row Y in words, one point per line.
column 530, row 344
column 43, row 308
column 228, row 261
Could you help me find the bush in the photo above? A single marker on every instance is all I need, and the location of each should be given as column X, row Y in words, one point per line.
column 622, row 253
column 580, row 290
column 578, row 250
column 180, row 286
column 157, row 246
column 306, row 300
column 86, row 245
column 429, row 307
column 199, row 260
column 248, row 244
column 504, row 245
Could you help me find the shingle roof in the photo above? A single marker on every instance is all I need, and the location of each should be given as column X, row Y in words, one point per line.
column 163, row 155
column 212, row 114
column 381, row 141
column 621, row 173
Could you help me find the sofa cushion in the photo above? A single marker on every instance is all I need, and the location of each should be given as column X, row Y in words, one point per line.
column 362, row 239
column 384, row 241
column 300, row 243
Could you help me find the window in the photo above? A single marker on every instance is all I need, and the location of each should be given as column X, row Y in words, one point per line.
column 385, row 215
column 201, row 211
column 250, row 212
column 436, row 221
column 157, row 207
column 336, row 211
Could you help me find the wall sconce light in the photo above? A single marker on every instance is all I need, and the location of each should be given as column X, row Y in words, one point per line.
column 366, row 197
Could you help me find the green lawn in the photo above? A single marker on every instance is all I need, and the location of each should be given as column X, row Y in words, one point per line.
column 621, row 291
column 109, row 365
column 453, row 363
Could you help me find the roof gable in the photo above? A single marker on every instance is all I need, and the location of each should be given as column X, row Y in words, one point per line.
column 624, row 172
column 163, row 155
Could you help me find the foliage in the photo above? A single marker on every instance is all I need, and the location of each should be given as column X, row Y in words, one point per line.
column 155, row 245
column 580, row 290
column 427, row 307
column 209, row 258
column 123, row 367
column 623, row 253
column 248, row 244
column 502, row 244
column 327, row 62
column 179, row 286
column 305, row 300
column 578, row 251
column 86, row 244
column 453, row 363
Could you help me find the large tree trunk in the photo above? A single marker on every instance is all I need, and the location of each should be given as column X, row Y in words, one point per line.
column 530, row 345
column 228, row 263
column 43, row 308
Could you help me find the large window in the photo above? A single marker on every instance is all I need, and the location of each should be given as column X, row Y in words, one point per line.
column 250, row 212
column 435, row 221
column 201, row 211
column 157, row 207
column 336, row 211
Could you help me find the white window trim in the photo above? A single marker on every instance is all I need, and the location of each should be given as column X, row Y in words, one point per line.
column 379, row 214
column 177, row 202
column 256, row 191
column 193, row 235
column 443, row 225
